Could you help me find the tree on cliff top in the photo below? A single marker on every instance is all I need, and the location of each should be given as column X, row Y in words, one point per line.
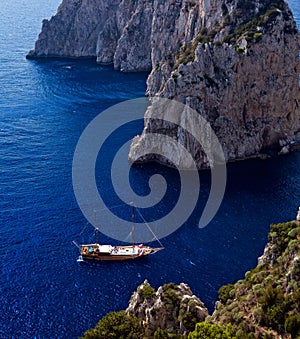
column 116, row 325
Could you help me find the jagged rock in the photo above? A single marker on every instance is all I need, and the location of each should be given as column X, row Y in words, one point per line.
column 234, row 61
column 173, row 308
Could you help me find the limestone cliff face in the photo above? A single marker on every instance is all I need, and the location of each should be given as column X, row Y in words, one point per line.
column 115, row 32
column 234, row 61
column 74, row 30
column 173, row 308
column 239, row 70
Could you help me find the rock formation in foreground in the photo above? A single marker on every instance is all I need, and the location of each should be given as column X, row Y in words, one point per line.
column 264, row 305
column 173, row 308
column 234, row 61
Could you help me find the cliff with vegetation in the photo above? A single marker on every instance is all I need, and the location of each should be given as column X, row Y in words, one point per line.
column 234, row 61
column 264, row 305
column 267, row 302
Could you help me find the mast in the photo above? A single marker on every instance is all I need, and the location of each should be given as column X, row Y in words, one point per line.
column 96, row 229
column 96, row 235
column 132, row 227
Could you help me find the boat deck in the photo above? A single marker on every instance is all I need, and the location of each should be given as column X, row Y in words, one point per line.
column 108, row 252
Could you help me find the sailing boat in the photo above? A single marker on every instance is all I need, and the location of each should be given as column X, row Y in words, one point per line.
column 98, row 252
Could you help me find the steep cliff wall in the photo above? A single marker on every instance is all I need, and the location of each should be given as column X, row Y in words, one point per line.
column 234, row 61
column 239, row 69
column 114, row 32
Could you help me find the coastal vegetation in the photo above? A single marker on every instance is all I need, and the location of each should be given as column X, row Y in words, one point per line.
column 265, row 304
column 116, row 325
column 267, row 301
column 252, row 29
column 243, row 23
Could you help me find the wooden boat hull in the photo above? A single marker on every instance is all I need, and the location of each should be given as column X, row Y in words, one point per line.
column 96, row 252
column 111, row 258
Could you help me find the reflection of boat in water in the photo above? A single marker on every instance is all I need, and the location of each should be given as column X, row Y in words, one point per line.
column 98, row 252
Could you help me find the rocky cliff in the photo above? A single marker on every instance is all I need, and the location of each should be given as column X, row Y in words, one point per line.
column 233, row 61
column 173, row 308
column 114, row 32
column 238, row 68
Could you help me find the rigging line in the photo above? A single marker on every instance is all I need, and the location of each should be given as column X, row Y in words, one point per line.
column 85, row 226
column 90, row 238
column 111, row 207
column 149, row 227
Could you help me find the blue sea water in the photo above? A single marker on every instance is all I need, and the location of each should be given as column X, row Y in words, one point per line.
column 44, row 107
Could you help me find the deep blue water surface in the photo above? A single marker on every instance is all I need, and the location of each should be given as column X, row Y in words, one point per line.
column 44, row 107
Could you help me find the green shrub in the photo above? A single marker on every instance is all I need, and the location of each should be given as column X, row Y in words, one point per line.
column 189, row 320
column 159, row 334
column 211, row 331
column 224, row 292
column 241, row 50
column 274, row 317
column 296, row 296
column 170, row 295
column 248, row 28
column 271, row 296
column 294, row 232
column 147, row 292
column 257, row 289
column 116, row 325
column 240, row 334
column 292, row 325
column 257, row 36
column 258, row 314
